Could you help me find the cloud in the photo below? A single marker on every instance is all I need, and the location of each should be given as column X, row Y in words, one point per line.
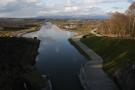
column 106, row 1
column 33, row 8
column 19, row 8
column 71, row 8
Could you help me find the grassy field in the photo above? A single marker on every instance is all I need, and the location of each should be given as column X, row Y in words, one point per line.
column 81, row 26
column 17, row 27
column 115, row 52
column 17, row 32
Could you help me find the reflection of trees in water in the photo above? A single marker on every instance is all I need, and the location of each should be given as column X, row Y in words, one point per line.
column 17, row 57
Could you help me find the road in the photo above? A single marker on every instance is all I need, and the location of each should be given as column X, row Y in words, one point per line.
column 95, row 33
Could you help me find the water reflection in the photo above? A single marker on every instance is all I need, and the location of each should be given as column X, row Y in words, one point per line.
column 58, row 58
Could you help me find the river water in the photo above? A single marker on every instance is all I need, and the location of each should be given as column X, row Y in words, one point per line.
column 57, row 58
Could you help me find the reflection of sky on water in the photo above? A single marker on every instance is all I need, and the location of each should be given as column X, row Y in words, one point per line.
column 51, row 35
column 58, row 58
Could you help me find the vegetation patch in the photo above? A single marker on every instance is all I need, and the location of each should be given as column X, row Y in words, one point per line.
column 120, row 24
column 78, row 26
column 115, row 52
column 18, row 27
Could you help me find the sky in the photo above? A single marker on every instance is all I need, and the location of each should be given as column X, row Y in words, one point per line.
column 35, row 8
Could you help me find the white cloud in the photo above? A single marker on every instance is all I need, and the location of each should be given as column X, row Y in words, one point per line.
column 28, row 8
column 5, row 2
column 71, row 8
column 31, row 1
column 101, row 1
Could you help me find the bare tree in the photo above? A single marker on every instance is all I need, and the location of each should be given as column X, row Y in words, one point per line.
column 121, row 24
column 131, row 14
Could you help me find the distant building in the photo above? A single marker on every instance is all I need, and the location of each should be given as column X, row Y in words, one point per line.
column 70, row 26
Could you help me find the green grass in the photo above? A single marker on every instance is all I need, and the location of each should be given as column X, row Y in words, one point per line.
column 19, row 31
column 25, row 26
column 115, row 52
column 81, row 30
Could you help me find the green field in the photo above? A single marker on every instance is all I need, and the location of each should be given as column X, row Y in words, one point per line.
column 18, row 27
column 82, row 26
column 115, row 52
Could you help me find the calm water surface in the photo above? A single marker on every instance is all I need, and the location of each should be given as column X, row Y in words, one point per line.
column 58, row 58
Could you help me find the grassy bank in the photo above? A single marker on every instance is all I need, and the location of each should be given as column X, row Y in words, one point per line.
column 18, row 27
column 115, row 52
column 18, row 32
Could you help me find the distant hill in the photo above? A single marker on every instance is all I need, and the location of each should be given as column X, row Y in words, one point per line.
column 74, row 17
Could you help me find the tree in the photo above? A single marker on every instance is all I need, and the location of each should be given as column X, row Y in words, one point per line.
column 118, row 24
column 131, row 9
column 131, row 15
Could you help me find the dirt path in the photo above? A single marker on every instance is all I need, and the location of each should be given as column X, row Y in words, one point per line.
column 95, row 33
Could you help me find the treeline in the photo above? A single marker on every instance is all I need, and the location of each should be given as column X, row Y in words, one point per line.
column 120, row 24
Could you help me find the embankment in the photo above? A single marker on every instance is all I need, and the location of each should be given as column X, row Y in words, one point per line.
column 17, row 59
column 118, row 56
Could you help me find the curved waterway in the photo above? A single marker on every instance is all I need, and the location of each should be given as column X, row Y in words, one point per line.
column 57, row 58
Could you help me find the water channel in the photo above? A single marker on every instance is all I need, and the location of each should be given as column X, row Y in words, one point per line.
column 58, row 58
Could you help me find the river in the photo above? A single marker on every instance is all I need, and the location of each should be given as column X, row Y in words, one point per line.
column 57, row 58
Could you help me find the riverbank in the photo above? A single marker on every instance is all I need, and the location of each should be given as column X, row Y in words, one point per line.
column 17, row 59
column 18, row 27
column 18, row 56
column 18, row 33
column 91, row 75
column 118, row 55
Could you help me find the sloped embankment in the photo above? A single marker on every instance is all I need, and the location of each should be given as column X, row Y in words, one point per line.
column 119, row 58
column 17, row 59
